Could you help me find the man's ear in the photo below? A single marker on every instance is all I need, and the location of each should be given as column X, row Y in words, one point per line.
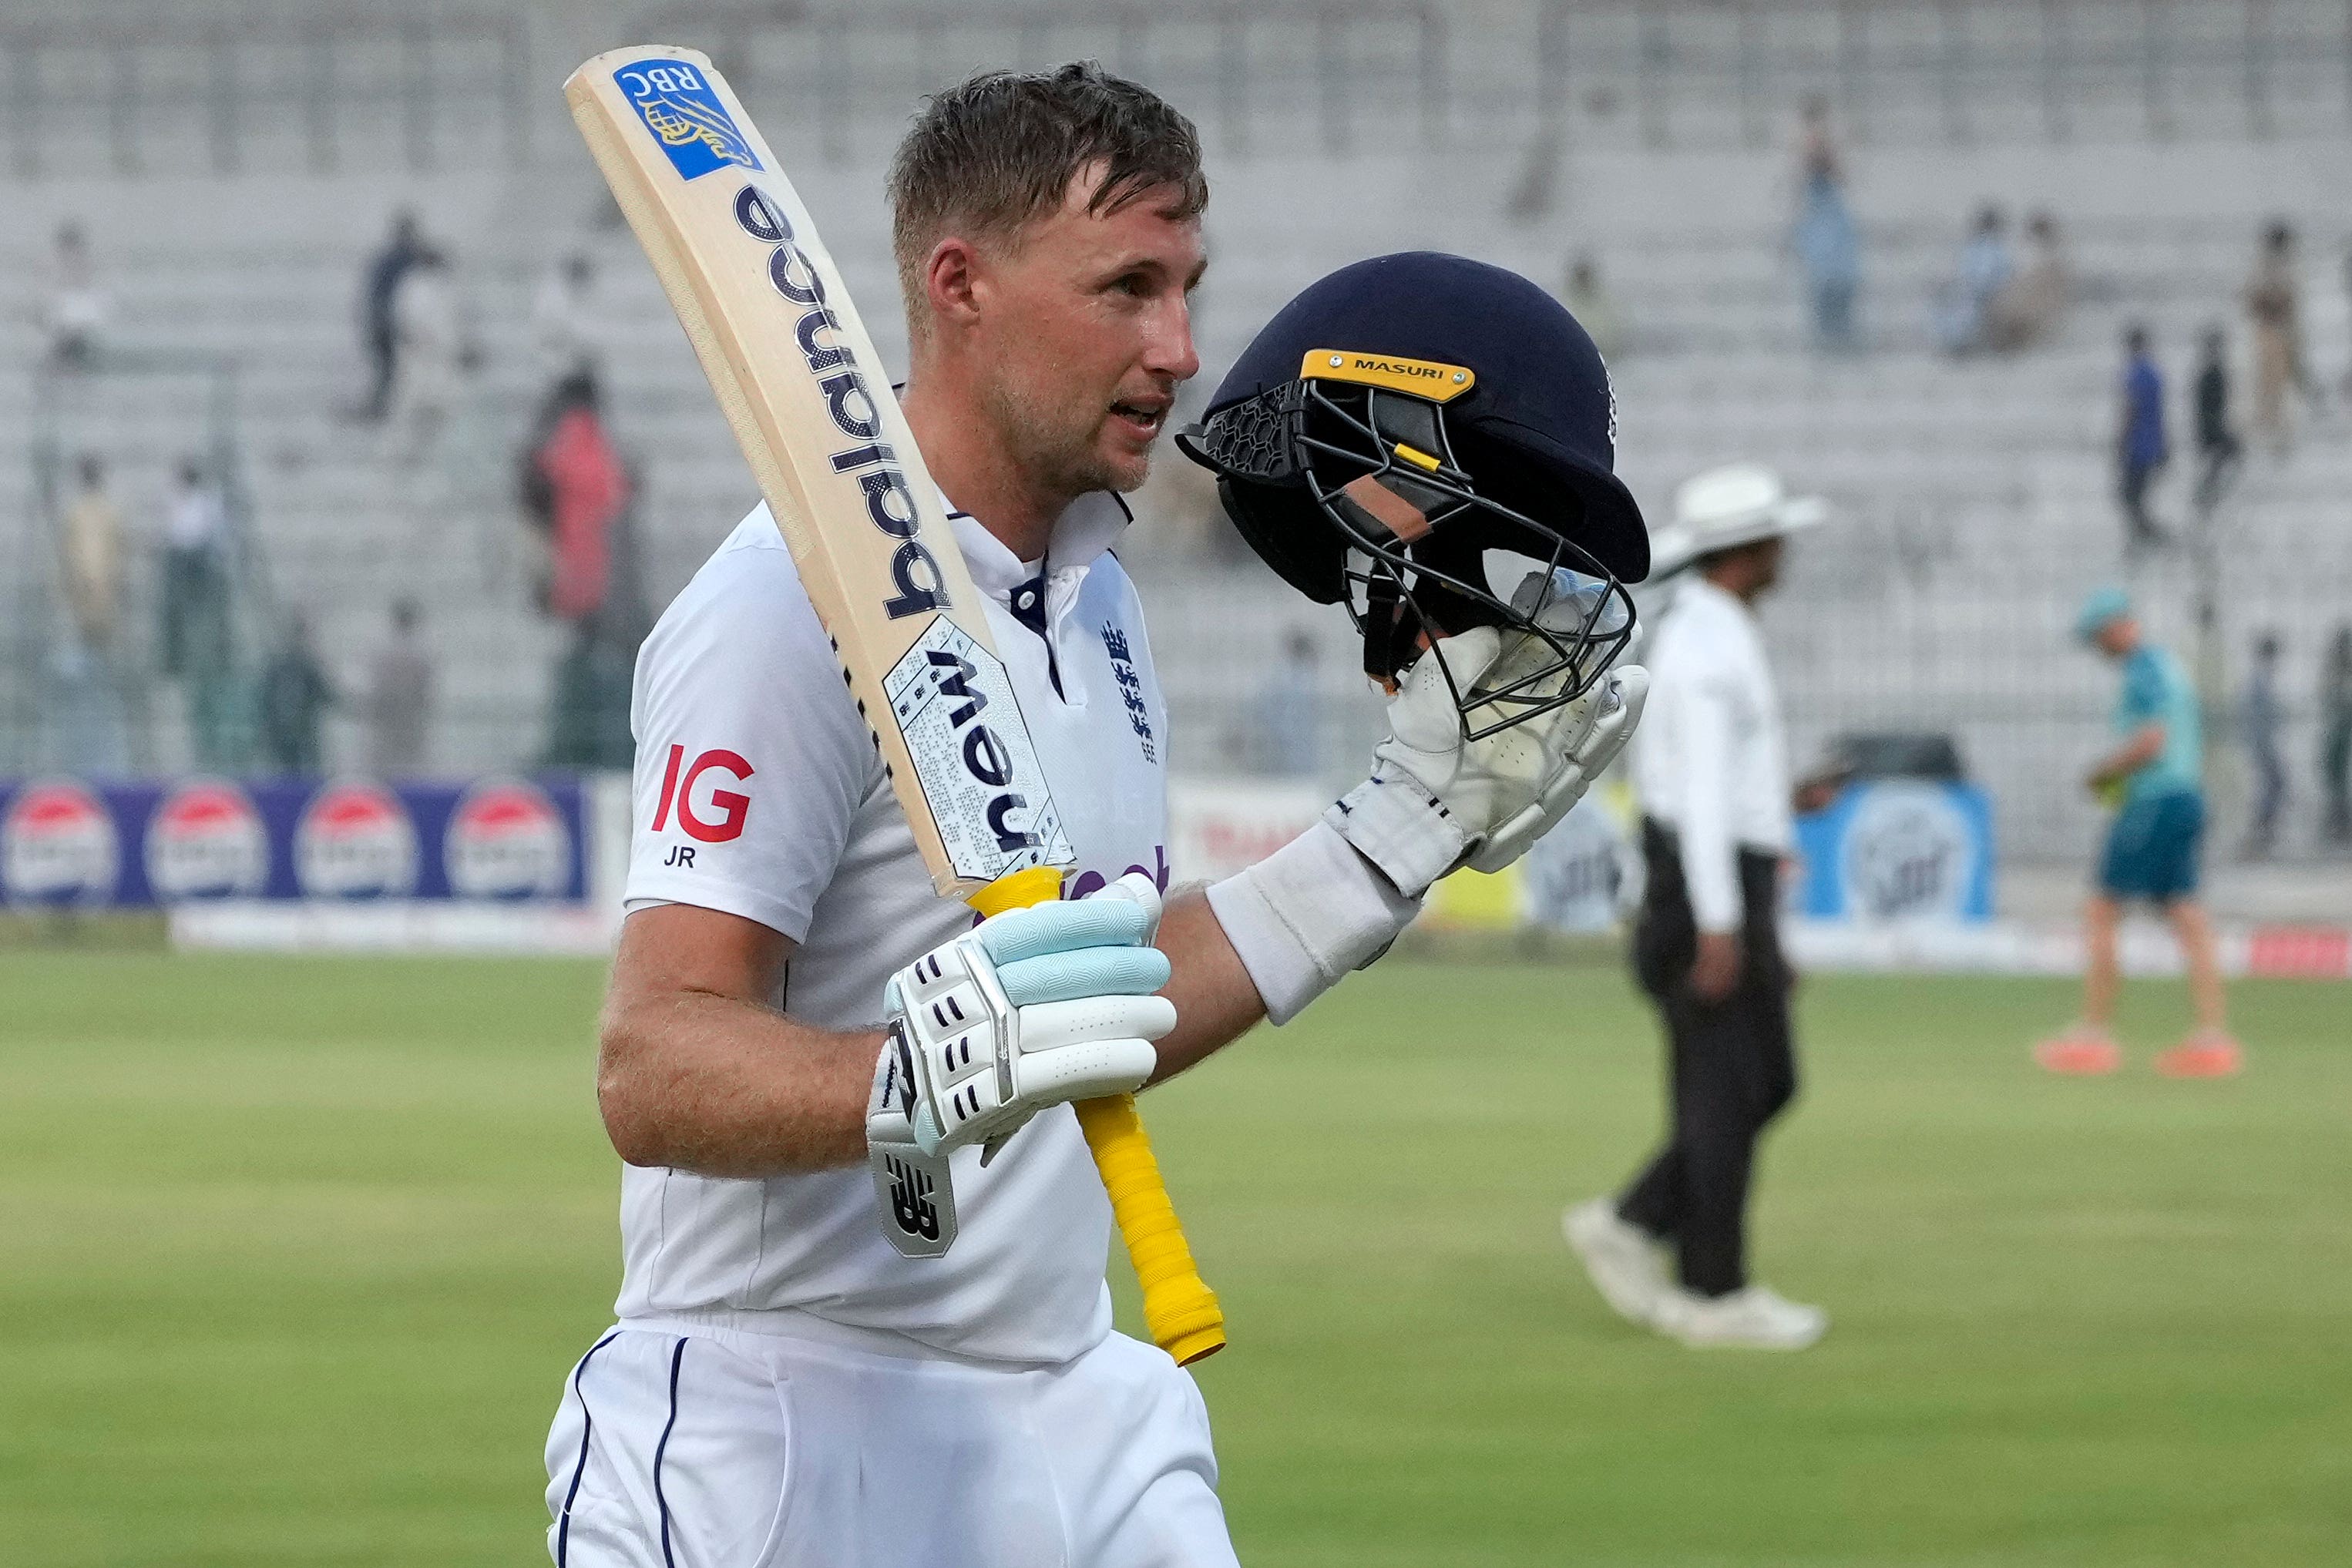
column 951, row 282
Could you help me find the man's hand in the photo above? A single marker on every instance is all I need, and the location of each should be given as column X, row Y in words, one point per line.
column 2144, row 746
column 1715, row 972
column 1437, row 802
column 1820, row 792
column 1032, row 1007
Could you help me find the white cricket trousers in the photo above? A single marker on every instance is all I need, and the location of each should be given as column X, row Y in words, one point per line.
column 689, row 1444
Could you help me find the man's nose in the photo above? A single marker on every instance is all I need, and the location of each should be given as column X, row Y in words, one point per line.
column 1169, row 350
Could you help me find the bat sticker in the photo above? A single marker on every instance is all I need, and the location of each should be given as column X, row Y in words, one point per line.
column 980, row 774
column 686, row 117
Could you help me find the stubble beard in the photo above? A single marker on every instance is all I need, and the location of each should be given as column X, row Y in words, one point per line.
column 1057, row 445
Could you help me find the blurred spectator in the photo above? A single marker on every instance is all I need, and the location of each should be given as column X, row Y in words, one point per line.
column 2261, row 719
column 1290, row 707
column 402, row 248
column 2028, row 308
column 78, row 310
column 577, row 490
column 1589, row 301
column 588, row 723
column 399, row 708
column 91, row 738
column 575, row 487
column 195, row 612
column 2151, row 780
column 1824, row 238
column 562, row 319
column 2348, row 290
column 424, row 325
column 295, row 695
column 2275, row 301
column 2217, row 442
column 1964, row 306
column 90, row 551
column 196, row 577
column 2141, row 449
column 2335, row 735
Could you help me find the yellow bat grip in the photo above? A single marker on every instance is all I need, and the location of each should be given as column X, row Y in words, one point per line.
column 1179, row 1308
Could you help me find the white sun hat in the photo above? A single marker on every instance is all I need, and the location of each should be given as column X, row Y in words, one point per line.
column 1735, row 504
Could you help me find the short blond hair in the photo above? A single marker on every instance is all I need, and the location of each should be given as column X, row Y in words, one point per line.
column 990, row 156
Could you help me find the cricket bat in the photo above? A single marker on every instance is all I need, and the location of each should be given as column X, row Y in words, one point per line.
column 798, row 380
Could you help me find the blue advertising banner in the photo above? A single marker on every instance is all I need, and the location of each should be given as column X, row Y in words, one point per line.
column 1897, row 849
column 141, row 843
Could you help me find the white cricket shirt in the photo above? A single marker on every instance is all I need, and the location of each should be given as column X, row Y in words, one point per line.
column 1710, row 757
column 759, row 792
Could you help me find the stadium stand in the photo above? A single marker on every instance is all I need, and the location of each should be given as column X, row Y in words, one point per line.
column 1975, row 497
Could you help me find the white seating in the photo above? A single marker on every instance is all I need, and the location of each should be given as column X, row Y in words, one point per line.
column 1975, row 497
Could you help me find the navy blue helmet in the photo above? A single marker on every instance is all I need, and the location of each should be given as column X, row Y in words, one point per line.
column 1430, row 441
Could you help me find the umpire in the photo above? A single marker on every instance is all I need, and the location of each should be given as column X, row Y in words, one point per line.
column 1710, row 767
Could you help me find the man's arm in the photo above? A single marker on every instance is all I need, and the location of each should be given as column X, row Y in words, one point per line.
column 2145, row 745
column 696, row 1071
column 1333, row 899
column 1216, row 1001
column 1710, row 856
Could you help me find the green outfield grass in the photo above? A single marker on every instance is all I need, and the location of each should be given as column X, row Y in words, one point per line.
column 294, row 1254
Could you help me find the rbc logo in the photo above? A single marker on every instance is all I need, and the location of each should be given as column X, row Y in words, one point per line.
column 686, row 117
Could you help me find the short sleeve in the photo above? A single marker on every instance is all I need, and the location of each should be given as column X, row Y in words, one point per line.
column 2144, row 693
column 752, row 760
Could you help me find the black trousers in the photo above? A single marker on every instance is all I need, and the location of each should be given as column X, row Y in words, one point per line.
column 1732, row 1068
column 2132, row 480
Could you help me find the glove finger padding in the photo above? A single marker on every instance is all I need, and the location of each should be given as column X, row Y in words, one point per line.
column 1035, row 1007
column 1056, row 1026
column 1613, row 729
column 1084, row 1071
column 1612, row 711
column 1087, row 972
column 1424, row 715
column 1137, row 888
column 1436, row 800
column 1041, row 929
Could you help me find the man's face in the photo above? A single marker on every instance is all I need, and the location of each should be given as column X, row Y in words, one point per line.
column 1765, row 570
column 1084, row 334
column 2118, row 637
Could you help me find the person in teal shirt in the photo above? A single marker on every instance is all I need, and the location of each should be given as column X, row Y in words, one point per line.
column 2151, row 780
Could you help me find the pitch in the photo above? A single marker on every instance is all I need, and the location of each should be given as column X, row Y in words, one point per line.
column 298, row 1252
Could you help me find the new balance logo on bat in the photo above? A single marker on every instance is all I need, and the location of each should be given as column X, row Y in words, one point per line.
column 984, row 755
column 889, row 503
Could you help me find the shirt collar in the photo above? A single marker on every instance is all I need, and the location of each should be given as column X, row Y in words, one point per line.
column 1091, row 524
column 1703, row 592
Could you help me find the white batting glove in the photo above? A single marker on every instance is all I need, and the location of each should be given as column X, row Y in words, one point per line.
column 1032, row 1008
column 1436, row 802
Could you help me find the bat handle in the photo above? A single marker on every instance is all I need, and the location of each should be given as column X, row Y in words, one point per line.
column 1179, row 1308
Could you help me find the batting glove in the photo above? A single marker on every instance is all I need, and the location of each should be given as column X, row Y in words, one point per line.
column 1032, row 1008
column 1437, row 802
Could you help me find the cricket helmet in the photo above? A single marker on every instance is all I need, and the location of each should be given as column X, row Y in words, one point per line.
column 1430, row 440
